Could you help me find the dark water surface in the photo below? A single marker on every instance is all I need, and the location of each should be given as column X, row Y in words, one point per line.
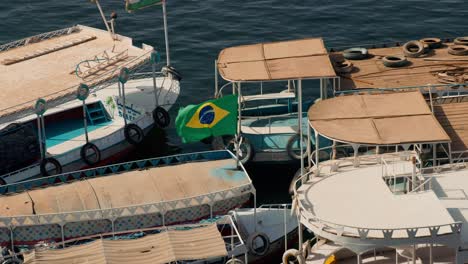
column 198, row 30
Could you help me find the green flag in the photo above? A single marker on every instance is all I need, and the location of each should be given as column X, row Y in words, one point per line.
column 134, row 5
column 213, row 118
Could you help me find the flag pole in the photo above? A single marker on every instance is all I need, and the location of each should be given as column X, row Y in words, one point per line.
column 103, row 18
column 166, row 35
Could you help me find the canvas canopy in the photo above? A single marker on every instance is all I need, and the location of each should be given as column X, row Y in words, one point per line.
column 139, row 187
column 170, row 246
column 286, row 60
column 377, row 119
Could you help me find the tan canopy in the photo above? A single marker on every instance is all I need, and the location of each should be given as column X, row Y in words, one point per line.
column 170, row 246
column 286, row 60
column 377, row 119
column 148, row 186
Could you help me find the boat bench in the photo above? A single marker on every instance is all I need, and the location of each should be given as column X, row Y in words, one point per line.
column 45, row 51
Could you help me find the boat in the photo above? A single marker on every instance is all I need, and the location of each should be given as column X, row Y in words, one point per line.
column 85, row 100
column 247, row 235
column 399, row 194
column 127, row 196
column 271, row 123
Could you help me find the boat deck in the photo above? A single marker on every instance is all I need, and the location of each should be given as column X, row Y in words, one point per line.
column 371, row 73
column 345, row 197
column 46, row 68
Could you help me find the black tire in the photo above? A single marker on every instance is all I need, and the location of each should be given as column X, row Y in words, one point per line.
column 394, row 61
column 50, row 161
column 246, row 148
column 343, row 66
column 433, row 43
column 413, row 49
column 355, row 54
column 161, row 117
column 169, row 70
column 290, row 147
column 458, row 50
column 134, row 134
column 461, row 41
column 266, row 244
column 88, row 158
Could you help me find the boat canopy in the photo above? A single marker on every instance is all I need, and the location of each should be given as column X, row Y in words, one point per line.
column 286, row 60
column 52, row 65
column 152, row 190
column 167, row 247
column 377, row 119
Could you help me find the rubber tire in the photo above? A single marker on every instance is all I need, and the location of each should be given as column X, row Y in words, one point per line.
column 85, row 158
column 293, row 253
column 265, row 239
column 289, row 147
column 247, row 144
column 355, row 54
column 138, row 130
column 461, row 41
column 55, row 162
column 433, row 43
column 161, row 117
column 394, row 61
column 234, row 261
column 343, row 67
column 413, row 54
column 175, row 74
column 458, row 50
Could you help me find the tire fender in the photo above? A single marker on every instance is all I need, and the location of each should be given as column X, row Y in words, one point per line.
column 84, row 156
column 52, row 161
column 251, row 243
column 137, row 136
column 289, row 147
column 161, row 117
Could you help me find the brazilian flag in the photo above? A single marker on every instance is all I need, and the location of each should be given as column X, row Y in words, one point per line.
column 213, row 118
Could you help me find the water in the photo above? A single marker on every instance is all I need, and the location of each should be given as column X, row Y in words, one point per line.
column 198, row 30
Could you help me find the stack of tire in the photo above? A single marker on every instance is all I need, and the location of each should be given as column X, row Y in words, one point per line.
column 459, row 47
column 19, row 147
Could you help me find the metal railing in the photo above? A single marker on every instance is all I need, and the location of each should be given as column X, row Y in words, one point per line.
column 366, row 232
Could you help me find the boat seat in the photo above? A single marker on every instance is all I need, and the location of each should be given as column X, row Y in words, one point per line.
column 269, row 96
column 269, row 130
column 44, row 51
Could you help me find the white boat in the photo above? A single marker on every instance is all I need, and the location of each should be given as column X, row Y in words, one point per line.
column 63, row 98
column 400, row 196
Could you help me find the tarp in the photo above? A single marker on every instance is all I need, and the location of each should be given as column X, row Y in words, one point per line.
column 286, row 60
column 377, row 119
column 170, row 246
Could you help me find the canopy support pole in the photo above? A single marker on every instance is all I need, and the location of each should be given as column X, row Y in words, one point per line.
column 216, row 79
column 85, row 122
column 238, row 136
column 156, row 99
column 104, row 18
column 317, row 146
column 166, row 35
column 300, row 124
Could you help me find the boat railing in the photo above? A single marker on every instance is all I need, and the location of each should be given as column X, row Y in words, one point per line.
column 440, row 89
column 234, row 243
column 275, row 206
column 37, row 38
column 364, row 232
column 111, row 169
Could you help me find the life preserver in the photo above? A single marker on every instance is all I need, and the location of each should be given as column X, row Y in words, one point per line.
column 50, row 161
column 86, row 157
column 234, row 261
column 408, row 49
column 133, row 134
column 394, row 61
column 251, row 244
column 161, row 117
column 458, row 50
column 295, row 255
column 355, row 54
column 290, row 147
column 246, row 149
column 169, row 70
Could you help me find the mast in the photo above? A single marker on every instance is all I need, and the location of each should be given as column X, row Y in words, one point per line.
column 166, row 35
